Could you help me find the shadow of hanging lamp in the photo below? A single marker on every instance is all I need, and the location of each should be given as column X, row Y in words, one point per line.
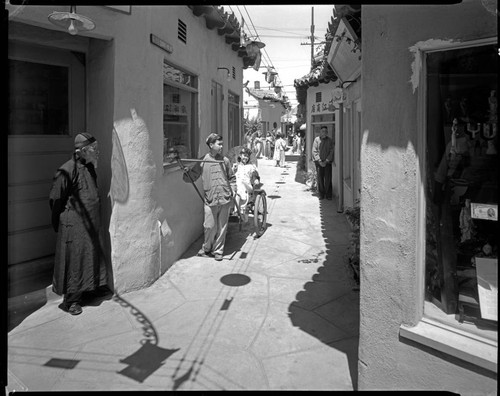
column 71, row 21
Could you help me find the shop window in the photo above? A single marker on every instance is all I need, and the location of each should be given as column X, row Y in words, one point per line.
column 326, row 119
column 179, row 106
column 461, row 186
column 38, row 100
column 217, row 98
column 233, row 120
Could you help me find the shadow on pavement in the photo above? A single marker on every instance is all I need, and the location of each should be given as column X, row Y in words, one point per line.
column 332, row 295
column 149, row 357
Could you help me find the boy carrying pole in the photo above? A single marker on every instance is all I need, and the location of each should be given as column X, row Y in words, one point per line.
column 219, row 185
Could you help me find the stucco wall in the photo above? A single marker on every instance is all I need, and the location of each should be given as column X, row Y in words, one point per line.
column 271, row 112
column 390, row 274
column 125, row 112
column 162, row 198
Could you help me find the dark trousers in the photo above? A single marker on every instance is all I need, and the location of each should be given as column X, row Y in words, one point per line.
column 324, row 178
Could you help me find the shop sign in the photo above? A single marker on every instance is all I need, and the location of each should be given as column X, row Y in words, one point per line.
column 161, row 43
column 170, row 73
column 344, row 56
column 175, row 109
column 337, row 96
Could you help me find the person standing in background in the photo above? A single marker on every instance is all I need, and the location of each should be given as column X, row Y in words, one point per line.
column 279, row 150
column 323, row 150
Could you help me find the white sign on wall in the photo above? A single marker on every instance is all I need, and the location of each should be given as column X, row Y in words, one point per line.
column 334, row 98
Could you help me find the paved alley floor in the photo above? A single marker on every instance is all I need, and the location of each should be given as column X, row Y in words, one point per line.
column 280, row 312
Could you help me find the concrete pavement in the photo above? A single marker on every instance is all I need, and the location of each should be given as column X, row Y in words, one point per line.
column 280, row 312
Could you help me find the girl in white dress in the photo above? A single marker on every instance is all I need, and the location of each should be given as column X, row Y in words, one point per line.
column 247, row 177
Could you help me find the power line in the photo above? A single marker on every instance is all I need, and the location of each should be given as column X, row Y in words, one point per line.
column 277, row 78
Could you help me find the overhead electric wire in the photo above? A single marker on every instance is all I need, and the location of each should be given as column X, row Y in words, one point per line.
column 257, row 36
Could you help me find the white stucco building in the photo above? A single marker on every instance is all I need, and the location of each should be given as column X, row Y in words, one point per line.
column 145, row 79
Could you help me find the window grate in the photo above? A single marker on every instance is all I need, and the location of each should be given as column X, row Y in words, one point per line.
column 234, row 73
column 318, row 97
column 182, row 31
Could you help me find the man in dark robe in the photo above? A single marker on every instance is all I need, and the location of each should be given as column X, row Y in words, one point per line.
column 75, row 205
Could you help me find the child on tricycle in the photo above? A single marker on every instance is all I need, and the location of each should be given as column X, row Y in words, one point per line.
column 247, row 178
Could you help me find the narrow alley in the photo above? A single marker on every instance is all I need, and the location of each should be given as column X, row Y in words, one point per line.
column 280, row 312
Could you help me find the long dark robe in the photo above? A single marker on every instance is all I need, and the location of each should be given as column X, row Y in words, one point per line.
column 75, row 205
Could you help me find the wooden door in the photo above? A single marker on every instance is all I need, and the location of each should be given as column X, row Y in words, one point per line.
column 46, row 110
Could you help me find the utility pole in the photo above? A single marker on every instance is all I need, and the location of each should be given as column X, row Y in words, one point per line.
column 312, row 43
column 312, row 37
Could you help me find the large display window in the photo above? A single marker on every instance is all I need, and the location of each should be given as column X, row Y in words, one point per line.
column 179, row 106
column 461, row 185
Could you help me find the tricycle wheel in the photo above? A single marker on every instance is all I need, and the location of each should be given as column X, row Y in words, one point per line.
column 260, row 214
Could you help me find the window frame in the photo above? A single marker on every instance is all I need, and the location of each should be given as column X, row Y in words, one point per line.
column 192, row 89
column 233, row 110
column 433, row 327
column 216, row 111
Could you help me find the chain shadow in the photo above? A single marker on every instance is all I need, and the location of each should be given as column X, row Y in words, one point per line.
column 149, row 357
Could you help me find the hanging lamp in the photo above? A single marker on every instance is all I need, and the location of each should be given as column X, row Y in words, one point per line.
column 71, row 21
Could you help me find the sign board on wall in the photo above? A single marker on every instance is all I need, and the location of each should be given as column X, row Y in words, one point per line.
column 331, row 98
column 344, row 56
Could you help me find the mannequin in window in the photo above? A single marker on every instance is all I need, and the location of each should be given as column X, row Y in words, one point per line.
column 466, row 224
column 454, row 160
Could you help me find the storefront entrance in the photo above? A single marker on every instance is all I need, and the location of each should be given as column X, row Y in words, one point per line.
column 46, row 109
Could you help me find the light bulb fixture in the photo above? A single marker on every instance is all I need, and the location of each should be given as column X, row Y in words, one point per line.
column 71, row 21
column 228, row 72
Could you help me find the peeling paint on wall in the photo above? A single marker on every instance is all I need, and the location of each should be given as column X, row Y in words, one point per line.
column 416, row 65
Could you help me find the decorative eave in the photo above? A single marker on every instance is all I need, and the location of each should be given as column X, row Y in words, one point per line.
column 227, row 25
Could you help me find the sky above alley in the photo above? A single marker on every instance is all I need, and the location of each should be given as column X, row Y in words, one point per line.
column 283, row 28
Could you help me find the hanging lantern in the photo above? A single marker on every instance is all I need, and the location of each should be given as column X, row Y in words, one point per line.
column 256, row 65
column 253, row 47
column 270, row 75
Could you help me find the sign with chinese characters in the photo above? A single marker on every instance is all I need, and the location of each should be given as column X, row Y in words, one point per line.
column 175, row 109
column 335, row 96
column 339, row 95
column 170, row 73
column 484, row 211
